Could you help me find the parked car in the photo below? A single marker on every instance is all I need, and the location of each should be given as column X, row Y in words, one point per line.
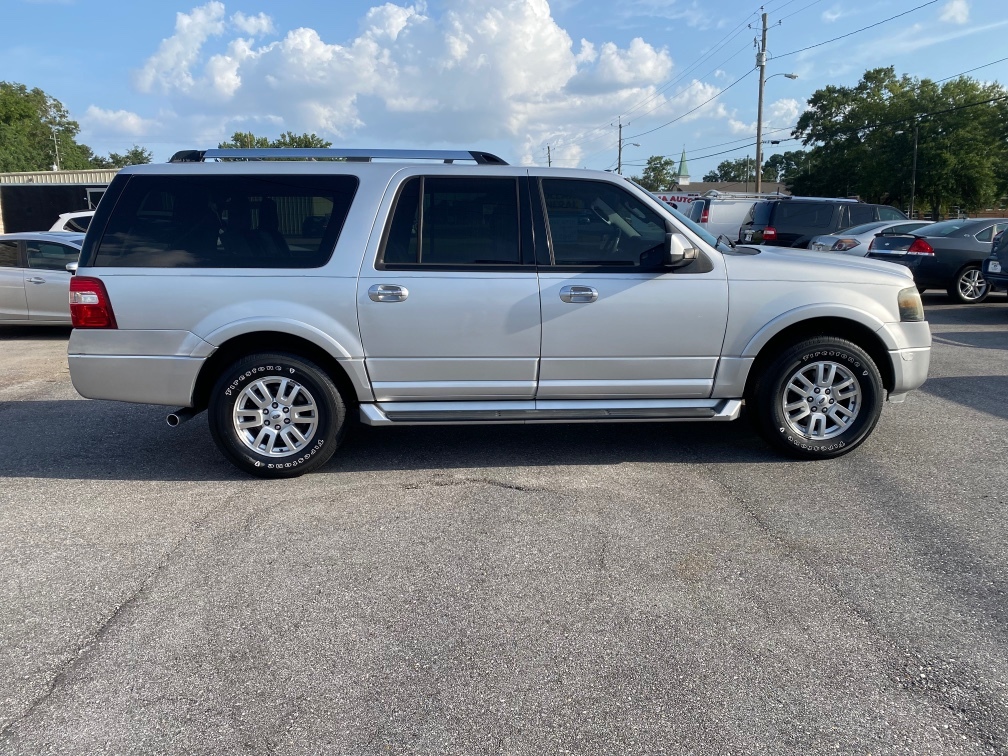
column 722, row 213
column 34, row 280
column 77, row 222
column 947, row 255
column 995, row 267
column 453, row 292
column 857, row 239
column 793, row 221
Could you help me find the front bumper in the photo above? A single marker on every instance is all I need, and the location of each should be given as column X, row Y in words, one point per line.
column 911, row 358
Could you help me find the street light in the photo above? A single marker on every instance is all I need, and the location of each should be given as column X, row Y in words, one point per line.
column 761, row 62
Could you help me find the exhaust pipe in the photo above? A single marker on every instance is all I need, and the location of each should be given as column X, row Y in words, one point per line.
column 181, row 415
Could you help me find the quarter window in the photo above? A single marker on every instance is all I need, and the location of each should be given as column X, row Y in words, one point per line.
column 594, row 223
column 986, row 235
column 226, row 221
column 454, row 222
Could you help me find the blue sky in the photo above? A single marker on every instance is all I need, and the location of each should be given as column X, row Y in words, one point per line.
column 509, row 76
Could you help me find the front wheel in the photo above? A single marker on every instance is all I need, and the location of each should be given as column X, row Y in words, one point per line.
column 969, row 287
column 276, row 415
column 819, row 399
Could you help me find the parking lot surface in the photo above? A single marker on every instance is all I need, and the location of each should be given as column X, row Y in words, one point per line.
column 584, row 589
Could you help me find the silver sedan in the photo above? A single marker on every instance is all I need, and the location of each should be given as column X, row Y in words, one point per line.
column 855, row 240
column 34, row 279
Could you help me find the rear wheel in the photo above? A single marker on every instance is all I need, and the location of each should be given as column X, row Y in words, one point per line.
column 276, row 415
column 969, row 287
column 820, row 398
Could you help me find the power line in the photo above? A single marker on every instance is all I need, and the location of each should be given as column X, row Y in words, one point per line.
column 692, row 110
column 857, row 31
column 993, row 62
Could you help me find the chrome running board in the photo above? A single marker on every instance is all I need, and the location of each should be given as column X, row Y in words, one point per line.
column 574, row 411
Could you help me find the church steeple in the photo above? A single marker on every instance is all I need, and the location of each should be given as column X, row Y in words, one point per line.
column 682, row 175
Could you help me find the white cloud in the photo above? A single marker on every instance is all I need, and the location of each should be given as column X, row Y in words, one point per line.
column 474, row 72
column 831, row 15
column 255, row 26
column 170, row 67
column 116, row 122
column 956, row 11
column 781, row 114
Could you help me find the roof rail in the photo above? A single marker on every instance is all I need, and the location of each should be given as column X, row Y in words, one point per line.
column 718, row 194
column 318, row 153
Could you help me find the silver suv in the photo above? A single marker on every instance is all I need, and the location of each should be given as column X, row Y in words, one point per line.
column 289, row 297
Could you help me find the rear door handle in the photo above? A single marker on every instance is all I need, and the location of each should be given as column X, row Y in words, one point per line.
column 35, row 280
column 575, row 294
column 388, row 293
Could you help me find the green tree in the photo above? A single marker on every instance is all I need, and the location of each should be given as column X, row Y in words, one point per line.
column 136, row 155
column 36, row 132
column 248, row 140
column 740, row 170
column 861, row 141
column 782, row 168
column 659, row 173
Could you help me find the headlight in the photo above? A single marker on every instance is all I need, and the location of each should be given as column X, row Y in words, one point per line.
column 910, row 306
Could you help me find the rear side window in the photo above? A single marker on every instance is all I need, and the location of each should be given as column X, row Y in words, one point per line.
column 696, row 210
column 861, row 214
column 803, row 214
column 454, row 222
column 759, row 214
column 8, row 254
column 195, row 221
column 885, row 212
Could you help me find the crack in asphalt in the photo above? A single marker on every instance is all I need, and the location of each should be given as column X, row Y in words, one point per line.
column 84, row 649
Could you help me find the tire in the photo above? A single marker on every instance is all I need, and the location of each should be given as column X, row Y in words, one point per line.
column 969, row 287
column 303, row 406
column 835, row 383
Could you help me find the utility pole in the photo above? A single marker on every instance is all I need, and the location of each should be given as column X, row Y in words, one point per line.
column 761, row 64
column 619, row 149
column 549, row 158
column 913, row 172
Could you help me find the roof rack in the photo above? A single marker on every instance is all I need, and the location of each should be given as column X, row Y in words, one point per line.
column 313, row 153
column 718, row 194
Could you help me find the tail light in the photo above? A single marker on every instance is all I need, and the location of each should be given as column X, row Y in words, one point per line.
column 769, row 234
column 89, row 304
column 920, row 247
column 704, row 215
column 842, row 245
column 871, row 244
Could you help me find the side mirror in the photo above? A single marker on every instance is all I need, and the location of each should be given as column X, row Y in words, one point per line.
column 71, row 267
column 678, row 251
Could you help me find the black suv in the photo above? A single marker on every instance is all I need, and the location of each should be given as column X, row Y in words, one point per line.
column 793, row 221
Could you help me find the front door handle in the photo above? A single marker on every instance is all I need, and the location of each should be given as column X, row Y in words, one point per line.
column 35, row 279
column 574, row 294
column 387, row 293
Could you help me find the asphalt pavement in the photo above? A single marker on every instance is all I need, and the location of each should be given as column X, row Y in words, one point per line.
column 568, row 589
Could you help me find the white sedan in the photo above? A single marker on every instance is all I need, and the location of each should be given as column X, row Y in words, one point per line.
column 34, row 279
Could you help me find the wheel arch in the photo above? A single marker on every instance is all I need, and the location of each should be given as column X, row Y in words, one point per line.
column 838, row 327
column 270, row 341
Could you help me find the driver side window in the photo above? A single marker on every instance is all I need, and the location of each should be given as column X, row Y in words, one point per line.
column 593, row 223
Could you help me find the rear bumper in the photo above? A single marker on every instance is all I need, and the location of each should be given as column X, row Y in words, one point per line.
column 1000, row 279
column 146, row 380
